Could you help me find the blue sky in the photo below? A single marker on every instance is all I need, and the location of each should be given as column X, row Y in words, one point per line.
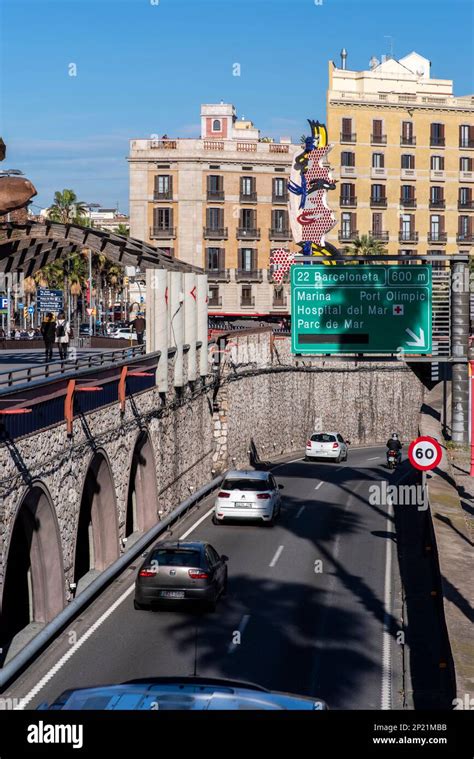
column 144, row 67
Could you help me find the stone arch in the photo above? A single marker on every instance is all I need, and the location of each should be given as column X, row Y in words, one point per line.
column 97, row 543
column 34, row 588
column 142, row 493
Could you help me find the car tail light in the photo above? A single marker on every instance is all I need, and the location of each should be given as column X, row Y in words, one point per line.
column 198, row 574
column 335, row 445
column 223, row 494
column 147, row 573
column 263, row 496
column 308, row 444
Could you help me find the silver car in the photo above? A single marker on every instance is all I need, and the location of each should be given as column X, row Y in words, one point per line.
column 248, row 495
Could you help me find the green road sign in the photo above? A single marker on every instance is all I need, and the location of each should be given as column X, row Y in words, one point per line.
column 360, row 309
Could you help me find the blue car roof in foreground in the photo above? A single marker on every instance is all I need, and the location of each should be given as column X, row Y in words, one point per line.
column 190, row 693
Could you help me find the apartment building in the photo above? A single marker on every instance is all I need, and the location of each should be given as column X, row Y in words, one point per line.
column 403, row 157
column 219, row 201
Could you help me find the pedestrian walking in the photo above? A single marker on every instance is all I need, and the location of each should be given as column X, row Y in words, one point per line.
column 139, row 325
column 63, row 331
column 48, row 332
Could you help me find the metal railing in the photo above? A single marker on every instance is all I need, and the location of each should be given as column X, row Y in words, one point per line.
column 217, row 301
column 247, row 302
column 378, row 202
column 440, row 237
column 280, row 198
column 378, row 139
column 248, row 233
column 378, row 235
column 279, row 234
column 215, row 233
column 408, row 236
column 215, row 195
column 164, row 195
column 163, row 232
column 348, row 136
column 218, row 275
column 348, row 201
column 465, row 205
column 248, row 197
column 407, row 140
column 346, row 235
column 249, row 275
column 437, row 204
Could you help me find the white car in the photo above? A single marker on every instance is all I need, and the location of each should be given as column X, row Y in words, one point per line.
column 124, row 333
column 248, row 495
column 326, row 445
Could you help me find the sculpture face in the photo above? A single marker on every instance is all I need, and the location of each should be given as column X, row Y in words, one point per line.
column 15, row 192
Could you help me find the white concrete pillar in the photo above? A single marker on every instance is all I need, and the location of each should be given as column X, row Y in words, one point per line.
column 157, row 323
column 176, row 313
column 190, row 322
column 202, row 321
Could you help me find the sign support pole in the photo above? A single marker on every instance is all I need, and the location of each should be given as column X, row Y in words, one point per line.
column 460, row 344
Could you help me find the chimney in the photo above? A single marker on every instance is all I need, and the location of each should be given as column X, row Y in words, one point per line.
column 343, row 58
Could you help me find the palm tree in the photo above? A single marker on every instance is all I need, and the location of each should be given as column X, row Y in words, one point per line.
column 122, row 229
column 67, row 209
column 366, row 245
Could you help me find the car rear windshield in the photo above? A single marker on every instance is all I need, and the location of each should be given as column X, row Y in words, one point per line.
column 246, row 484
column 176, row 558
column 323, row 437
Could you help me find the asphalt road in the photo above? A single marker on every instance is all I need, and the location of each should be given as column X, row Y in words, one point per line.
column 315, row 599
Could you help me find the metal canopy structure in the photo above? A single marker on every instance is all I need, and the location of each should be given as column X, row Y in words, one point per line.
column 30, row 246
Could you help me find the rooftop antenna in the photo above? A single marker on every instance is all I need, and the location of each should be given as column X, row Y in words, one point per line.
column 343, row 58
column 388, row 37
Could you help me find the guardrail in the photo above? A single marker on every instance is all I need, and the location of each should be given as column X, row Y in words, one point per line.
column 40, row 641
column 57, row 369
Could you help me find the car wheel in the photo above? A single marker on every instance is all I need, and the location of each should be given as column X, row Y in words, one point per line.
column 140, row 607
column 215, row 520
column 306, row 458
column 224, row 587
column 338, row 460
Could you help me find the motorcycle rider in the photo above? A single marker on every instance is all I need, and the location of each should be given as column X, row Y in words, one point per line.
column 394, row 444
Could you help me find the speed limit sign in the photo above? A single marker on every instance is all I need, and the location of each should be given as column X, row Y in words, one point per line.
column 425, row 453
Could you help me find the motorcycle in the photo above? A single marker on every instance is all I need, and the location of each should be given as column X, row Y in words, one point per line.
column 393, row 459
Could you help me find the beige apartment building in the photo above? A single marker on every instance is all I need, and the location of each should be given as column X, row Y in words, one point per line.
column 403, row 157
column 219, row 201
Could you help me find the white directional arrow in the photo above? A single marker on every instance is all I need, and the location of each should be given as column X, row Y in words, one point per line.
column 418, row 340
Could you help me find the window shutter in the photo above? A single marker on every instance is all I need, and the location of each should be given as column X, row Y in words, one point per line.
column 221, row 259
column 156, row 218
column 441, row 131
column 170, row 217
column 377, row 127
column 253, row 219
column 220, row 218
column 441, row 224
column 253, row 259
column 346, row 126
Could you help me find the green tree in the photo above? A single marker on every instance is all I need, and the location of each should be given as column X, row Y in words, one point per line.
column 67, row 209
column 366, row 245
column 122, row 229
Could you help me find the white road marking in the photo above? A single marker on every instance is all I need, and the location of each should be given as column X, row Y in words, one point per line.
column 386, row 701
column 191, row 529
column 243, row 624
column 277, row 556
column 284, row 463
column 62, row 661
column 373, row 458
column 318, row 485
column 300, row 511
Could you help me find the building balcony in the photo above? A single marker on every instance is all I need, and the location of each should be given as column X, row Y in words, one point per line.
column 348, row 201
column 378, row 202
column 277, row 148
column 248, row 233
column 437, row 142
column 280, row 198
column 215, row 302
column 466, row 144
column 467, row 205
column 249, row 275
column 408, row 202
column 248, row 197
column 465, row 238
column 436, row 205
column 348, row 137
column 216, row 196
column 379, row 235
column 163, row 144
column 279, row 234
column 247, row 147
column 466, row 176
column 166, row 195
column 437, row 237
column 408, row 236
column 378, row 172
column 348, row 171
column 215, row 233
column 378, row 139
column 213, row 145
column 407, row 140
column 163, row 233
column 407, row 173
column 280, row 301
column 347, row 235
column 247, row 302
column 218, row 275
column 437, row 175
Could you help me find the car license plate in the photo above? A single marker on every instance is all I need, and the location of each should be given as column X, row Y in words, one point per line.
column 172, row 594
column 242, row 505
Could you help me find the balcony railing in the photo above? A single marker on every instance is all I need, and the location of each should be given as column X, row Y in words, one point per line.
column 280, row 198
column 378, row 139
column 247, row 147
column 378, row 202
column 248, row 197
column 408, row 202
column 466, row 143
column 249, row 275
column 466, row 176
column 215, row 233
column 346, row 235
column 437, row 175
column 248, row 233
column 215, row 301
column 276, row 148
column 218, row 275
column 247, row 302
column 348, row 201
column 166, row 195
column 408, row 173
column 215, row 195
column 466, row 205
column 378, row 172
column 163, row 233
column 437, row 142
column 280, row 301
column 378, row 235
column 437, row 237
column 437, row 204
column 407, row 140
column 279, row 234
column 163, row 144
column 465, row 238
column 348, row 171
column 348, row 136
column 408, row 236
column 213, row 145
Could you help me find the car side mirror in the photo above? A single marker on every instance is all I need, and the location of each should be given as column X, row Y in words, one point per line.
column 280, row 486
column 348, row 442
column 224, row 557
column 144, row 554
